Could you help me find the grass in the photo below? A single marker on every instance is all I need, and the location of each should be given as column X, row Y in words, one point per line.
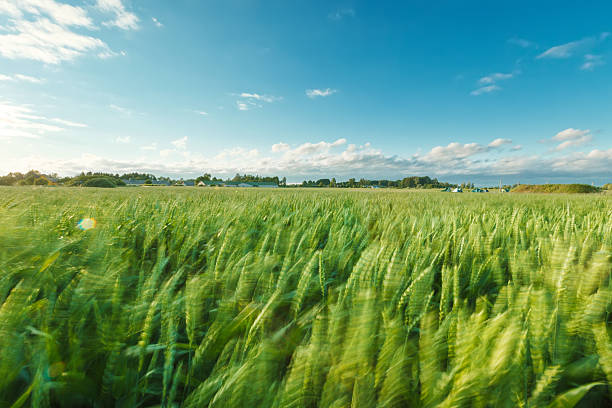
column 555, row 188
column 297, row 298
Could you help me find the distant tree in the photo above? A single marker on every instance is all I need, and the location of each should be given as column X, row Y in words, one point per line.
column 41, row 181
column 103, row 182
column 204, row 177
column 138, row 176
column 332, row 183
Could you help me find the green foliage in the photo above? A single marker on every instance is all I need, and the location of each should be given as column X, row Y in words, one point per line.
column 248, row 177
column 103, row 182
column 303, row 298
column 406, row 182
column 31, row 178
column 88, row 178
column 555, row 188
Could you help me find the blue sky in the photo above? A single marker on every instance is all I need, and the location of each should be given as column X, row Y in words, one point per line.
column 465, row 91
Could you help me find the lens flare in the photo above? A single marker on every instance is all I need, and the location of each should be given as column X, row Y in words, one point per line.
column 87, row 224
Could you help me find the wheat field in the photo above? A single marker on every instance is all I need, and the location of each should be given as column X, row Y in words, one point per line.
column 303, row 298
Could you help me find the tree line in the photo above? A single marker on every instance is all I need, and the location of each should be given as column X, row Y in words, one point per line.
column 101, row 179
column 406, row 182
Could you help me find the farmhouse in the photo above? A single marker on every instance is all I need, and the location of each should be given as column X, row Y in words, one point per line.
column 131, row 182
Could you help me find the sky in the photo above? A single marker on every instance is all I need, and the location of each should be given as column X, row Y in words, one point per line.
column 459, row 90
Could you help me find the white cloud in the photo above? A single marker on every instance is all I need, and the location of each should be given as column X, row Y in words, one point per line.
column 570, row 134
column 572, row 138
column 63, row 14
column 152, row 146
column 50, row 31
column 493, row 78
column 280, row 147
column 499, row 142
column 320, row 160
column 166, row 152
column 249, row 100
column 453, row 151
column 341, row 13
column 123, row 139
column 180, row 143
column 120, row 109
column 569, row 49
column 456, row 151
column 488, row 84
column 591, row 61
column 522, row 42
column 229, row 155
column 243, row 106
column 313, row 93
column 562, row 51
column 308, row 148
column 28, row 78
column 201, row 113
column 573, row 143
column 485, row 90
column 68, row 123
column 21, row 121
column 21, row 77
column 123, row 19
column 9, row 8
column 46, row 41
column 157, row 22
column 259, row 97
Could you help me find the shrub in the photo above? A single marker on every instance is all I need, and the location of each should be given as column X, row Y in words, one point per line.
column 41, row 181
column 555, row 188
column 102, row 182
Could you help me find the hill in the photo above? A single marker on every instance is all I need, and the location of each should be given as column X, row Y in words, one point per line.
column 555, row 188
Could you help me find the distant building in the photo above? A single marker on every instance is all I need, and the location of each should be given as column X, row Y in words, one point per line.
column 130, row 182
column 266, row 184
column 209, row 183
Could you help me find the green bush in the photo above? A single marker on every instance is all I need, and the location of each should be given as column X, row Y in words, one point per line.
column 555, row 188
column 102, row 182
column 84, row 178
column 41, row 181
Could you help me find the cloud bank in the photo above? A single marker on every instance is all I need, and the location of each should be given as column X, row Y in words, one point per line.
column 342, row 160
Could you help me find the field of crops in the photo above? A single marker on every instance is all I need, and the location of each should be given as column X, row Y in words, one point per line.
column 303, row 298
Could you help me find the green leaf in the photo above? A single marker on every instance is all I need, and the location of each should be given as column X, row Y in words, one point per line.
column 570, row 398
